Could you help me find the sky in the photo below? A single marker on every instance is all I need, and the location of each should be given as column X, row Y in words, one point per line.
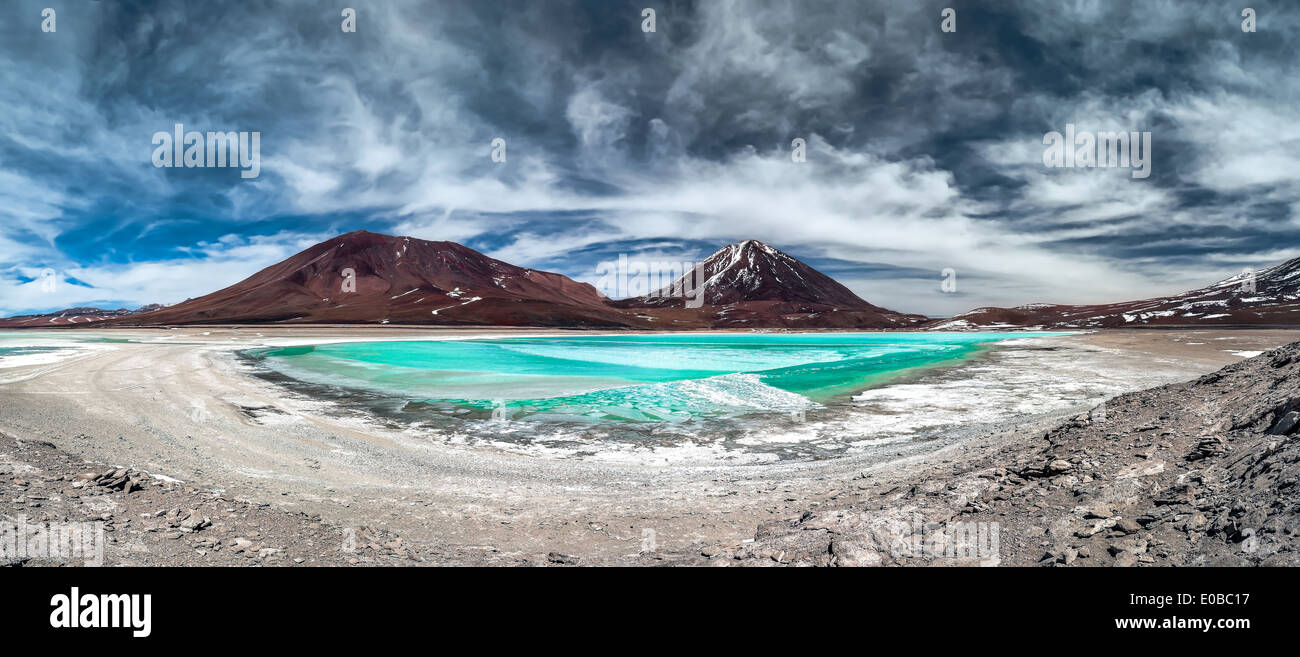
column 924, row 148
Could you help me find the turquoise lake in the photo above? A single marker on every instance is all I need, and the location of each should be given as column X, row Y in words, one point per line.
column 22, row 351
column 633, row 378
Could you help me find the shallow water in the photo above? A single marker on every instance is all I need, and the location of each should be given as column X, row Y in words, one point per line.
column 625, row 378
column 21, row 351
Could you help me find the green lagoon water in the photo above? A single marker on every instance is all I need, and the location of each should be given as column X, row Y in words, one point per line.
column 23, row 351
column 634, row 378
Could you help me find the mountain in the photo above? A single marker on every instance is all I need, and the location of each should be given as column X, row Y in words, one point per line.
column 751, row 284
column 70, row 316
column 1272, row 298
column 369, row 278
column 364, row 277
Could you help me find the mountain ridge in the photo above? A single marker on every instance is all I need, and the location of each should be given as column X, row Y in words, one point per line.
column 1269, row 296
column 371, row 278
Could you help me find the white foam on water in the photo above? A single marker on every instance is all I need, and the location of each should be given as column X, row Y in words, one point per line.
column 684, row 356
column 729, row 392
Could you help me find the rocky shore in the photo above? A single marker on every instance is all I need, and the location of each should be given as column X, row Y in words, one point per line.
column 1202, row 473
column 147, row 521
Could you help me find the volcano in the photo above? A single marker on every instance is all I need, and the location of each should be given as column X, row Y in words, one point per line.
column 751, row 284
column 369, row 278
column 1263, row 298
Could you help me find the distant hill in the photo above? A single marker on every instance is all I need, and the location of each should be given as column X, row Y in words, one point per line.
column 70, row 316
column 1271, row 298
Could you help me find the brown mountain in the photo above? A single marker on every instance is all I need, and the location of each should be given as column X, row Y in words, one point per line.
column 751, row 284
column 368, row 278
column 1267, row 297
column 364, row 277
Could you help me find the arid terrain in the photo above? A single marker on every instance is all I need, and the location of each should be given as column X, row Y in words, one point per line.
column 189, row 460
column 1201, row 473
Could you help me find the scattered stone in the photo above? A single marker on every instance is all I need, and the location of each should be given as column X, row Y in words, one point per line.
column 565, row 559
column 1059, row 466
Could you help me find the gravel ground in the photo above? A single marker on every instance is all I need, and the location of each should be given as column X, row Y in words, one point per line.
column 1202, row 473
column 293, row 478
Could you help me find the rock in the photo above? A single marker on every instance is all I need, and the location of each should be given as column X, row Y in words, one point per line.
column 1153, row 516
column 1097, row 528
column 565, row 559
column 195, row 521
column 1127, row 525
column 853, row 553
column 1286, row 425
column 1126, row 560
column 1059, row 466
column 1207, row 447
